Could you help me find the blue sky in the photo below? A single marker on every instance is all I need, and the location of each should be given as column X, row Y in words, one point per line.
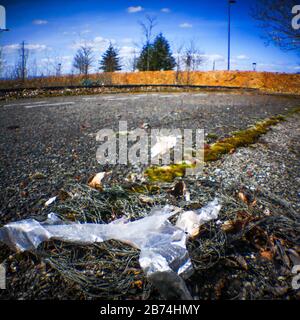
column 53, row 31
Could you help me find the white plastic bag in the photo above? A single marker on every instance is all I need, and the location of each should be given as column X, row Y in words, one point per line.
column 162, row 245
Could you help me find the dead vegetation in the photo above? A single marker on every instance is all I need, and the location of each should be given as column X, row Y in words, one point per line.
column 264, row 81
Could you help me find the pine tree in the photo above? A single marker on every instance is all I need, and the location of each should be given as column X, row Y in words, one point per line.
column 156, row 56
column 144, row 62
column 110, row 60
column 162, row 58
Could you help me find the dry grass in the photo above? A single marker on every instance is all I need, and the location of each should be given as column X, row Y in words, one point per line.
column 265, row 81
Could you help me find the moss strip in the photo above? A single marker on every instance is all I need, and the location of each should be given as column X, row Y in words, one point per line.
column 216, row 150
column 166, row 173
column 239, row 139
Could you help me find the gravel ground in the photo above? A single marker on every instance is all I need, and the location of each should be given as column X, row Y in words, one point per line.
column 270, row 167
column 43, row 146
column 272, row 164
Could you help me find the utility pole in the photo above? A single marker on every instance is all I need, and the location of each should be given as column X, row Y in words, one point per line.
column 214, row 65
column 23, row 61
column 2, row 29
column 3, row 19
column 58, row 70
column 230, row 2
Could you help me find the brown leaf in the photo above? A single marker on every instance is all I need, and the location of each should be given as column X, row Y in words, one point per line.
column 243, row 197
column 243, row 218
column 219, row 287
column 228, row 226
column 138, row 284
column 241, row 261
column 267, row 254
column 95, row 181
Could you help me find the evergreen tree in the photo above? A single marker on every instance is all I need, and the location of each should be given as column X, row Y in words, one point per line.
column 144, row 62
column 110, row 60
column 156, row 56
column 162, row 58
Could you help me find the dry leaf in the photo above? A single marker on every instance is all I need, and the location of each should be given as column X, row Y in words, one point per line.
column 219, row 287
column 145, row 199
column 267, row 254
column 138, row 284
column 243, row 197
column 228, row 226
column 242, row 262
column 95, row 181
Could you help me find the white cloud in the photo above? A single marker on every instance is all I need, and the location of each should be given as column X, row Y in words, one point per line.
column 127, row 51
column 127, row 40
column 97, row 44
column 135, row 9
column 11, row 47
column 185, row 25
column 165, row 10
column 242, row 57
column 39, row 21
column 16, row 46
column 37, row 47
column 213, row 57
column 85, row 31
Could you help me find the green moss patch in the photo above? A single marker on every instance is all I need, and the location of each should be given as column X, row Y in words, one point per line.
column 167, row 173
column 240, row 139
column 216, row 150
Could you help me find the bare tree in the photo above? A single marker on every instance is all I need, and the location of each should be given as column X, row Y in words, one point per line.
column 21, row 71
column 83, row 59
column 33, row 69
column 147, row 28
column 2, row 62
column 178, row 58
column 275, row 17
column 130, row 62
column 192, row 59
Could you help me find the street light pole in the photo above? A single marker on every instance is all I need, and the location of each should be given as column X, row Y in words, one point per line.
column 230, row 2
column 3, row 19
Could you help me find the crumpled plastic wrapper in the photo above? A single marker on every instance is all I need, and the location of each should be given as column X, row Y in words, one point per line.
column 163, row 145
column 190, row 221
column 163, row 246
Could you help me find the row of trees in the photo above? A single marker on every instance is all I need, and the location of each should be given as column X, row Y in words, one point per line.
column 84, row 60
column 155, row 53
column 154, row 56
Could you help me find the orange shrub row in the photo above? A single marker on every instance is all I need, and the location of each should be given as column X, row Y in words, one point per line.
column 265, row 81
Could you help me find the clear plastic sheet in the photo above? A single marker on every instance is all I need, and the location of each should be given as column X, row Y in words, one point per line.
column 162, row 245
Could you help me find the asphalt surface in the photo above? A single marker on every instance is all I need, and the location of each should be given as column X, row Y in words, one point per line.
column 56, row 136
column 47, row 142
